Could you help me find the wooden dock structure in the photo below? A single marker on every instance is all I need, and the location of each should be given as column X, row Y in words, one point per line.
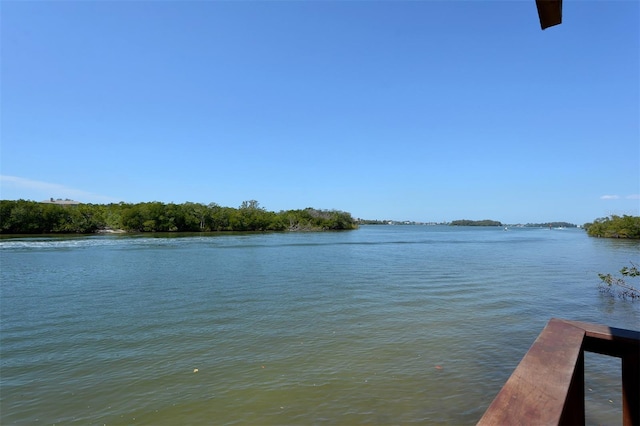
column 547, row 387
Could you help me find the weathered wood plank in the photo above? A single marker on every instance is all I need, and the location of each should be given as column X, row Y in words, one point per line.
column 548, row 379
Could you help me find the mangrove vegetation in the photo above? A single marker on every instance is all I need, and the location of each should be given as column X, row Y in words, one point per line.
column 622, row 286
column 31, row 217
column 614, row 227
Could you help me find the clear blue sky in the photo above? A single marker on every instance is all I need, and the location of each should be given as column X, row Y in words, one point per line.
column 405, row 110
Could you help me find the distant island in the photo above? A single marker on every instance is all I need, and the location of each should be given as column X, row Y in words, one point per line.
column 66, row 216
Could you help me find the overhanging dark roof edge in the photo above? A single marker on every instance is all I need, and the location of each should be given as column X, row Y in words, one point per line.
column 549, row 12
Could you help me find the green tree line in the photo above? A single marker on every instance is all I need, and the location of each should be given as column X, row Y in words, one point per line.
column 614, row 227
column 31, row 217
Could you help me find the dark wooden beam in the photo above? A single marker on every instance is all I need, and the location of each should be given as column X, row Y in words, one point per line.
column 549, row 12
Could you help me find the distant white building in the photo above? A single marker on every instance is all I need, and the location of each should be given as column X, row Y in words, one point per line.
column 60, row 201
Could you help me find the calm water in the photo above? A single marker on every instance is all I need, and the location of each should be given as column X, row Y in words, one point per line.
column 383, row 325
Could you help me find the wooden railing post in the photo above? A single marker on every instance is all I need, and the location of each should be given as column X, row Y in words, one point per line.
column 573, row 412
column 631, row 389
column 623, row 344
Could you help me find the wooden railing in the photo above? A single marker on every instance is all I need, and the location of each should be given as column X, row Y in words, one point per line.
column 547, row 387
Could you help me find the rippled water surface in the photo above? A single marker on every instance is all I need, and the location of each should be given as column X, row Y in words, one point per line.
column 382, row 325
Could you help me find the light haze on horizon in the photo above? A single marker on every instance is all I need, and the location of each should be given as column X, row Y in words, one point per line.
column 400, row 110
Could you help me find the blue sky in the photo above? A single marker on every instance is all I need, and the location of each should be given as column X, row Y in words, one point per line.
column 405, row 110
